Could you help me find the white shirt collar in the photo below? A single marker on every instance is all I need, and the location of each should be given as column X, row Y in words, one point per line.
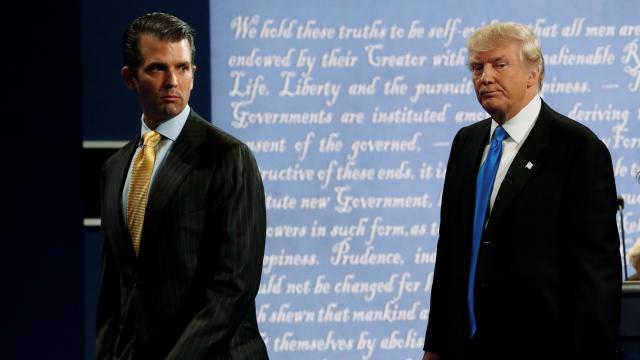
column 518, row 127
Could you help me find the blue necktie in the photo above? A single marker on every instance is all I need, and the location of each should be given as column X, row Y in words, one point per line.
column 484, row 186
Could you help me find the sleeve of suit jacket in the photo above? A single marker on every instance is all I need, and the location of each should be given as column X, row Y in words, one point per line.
column 238, row 224
column 590, row 254
column 108, row 311
column 441, row 278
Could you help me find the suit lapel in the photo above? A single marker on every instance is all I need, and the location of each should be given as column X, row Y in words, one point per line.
column 472, row 155
column 467, row 166
column 113, row 199
column 526, row 163
column 178, row 164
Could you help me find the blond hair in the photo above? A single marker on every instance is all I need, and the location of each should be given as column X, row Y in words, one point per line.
column 491, row 36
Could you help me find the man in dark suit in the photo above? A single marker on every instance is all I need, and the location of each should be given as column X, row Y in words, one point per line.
column 535, row 272
column 183, row 218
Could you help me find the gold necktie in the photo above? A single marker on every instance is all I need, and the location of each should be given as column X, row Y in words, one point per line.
column 139, row 185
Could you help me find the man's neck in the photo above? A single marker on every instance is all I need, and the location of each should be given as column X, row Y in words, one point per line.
column 153, row 123
column 501, row 117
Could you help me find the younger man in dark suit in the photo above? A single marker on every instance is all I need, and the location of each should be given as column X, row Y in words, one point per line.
column 528, row 265
column 183, row 218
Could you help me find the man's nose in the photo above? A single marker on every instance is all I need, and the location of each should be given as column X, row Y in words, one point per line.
column 171, row 79
column 487, row 76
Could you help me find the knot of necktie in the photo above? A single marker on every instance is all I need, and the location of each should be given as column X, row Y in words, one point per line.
column 499, row 134
column 151, row 138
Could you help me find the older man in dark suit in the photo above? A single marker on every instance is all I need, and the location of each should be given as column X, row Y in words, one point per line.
column 183, row 218
column 528, row 265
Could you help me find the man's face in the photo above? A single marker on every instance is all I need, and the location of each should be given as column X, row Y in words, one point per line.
column 164, row 79
column 504, row 85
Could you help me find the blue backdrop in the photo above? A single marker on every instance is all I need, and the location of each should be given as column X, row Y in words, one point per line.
column 350, row 108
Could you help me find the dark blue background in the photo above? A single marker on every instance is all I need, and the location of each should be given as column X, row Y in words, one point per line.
column 41, row 243
column 62, row 85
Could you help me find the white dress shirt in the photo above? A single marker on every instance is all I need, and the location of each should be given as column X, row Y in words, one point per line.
column 169, row 130
column 518, row 128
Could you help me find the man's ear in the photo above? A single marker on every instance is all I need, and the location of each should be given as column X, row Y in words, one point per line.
column 193, row 72
column 532, row 79
column 129, row 78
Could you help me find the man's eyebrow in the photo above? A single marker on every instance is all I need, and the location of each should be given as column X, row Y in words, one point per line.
column 492, row 59
column 155, row 64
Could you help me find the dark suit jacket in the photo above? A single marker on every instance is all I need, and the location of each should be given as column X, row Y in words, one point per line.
column 190, row 292
column 549, row 273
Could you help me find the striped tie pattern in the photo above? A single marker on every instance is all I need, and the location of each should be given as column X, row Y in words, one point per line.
column 139, row 186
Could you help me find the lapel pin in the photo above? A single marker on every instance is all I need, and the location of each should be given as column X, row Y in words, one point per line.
column 529, row 165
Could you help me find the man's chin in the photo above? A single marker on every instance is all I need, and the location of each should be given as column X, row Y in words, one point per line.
column 172, row 110
column 496, row 112
column 491, row 105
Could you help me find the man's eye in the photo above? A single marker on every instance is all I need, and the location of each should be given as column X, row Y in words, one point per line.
column 501, row 65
